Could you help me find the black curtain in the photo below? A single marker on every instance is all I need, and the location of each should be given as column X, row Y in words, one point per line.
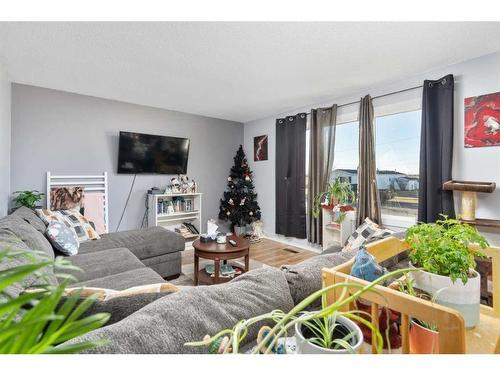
column 436, row 150
column 290, row 176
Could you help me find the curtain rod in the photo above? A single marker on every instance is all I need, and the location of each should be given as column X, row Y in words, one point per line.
column 379, row 96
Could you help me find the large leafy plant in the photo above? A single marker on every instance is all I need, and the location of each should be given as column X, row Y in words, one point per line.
column 39, row 321
column 340, row 192
column 323, row 320
column 443, row 248
column 28, row 198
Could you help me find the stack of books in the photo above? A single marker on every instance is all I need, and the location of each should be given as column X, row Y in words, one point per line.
column 184, row 232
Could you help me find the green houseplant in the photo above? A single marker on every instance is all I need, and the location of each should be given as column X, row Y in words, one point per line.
column 442, row 251
column 322, row 323
column 338, row 192
column 28, row 198
column 39, row 321
column 424, row 336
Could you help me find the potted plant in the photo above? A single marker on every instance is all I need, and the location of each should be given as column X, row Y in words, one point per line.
column 446, row 263
column 330, row 330
column 28, row 198
column 339, row 192
column 423, row 337
column 334, row 334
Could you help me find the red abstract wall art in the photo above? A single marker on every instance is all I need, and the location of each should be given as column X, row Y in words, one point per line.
column 482, row 120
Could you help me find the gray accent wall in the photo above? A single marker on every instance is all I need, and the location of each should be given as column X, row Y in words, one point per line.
column 5, row 128
column 68, row 133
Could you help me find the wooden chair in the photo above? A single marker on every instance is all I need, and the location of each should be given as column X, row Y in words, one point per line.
column 453, row 337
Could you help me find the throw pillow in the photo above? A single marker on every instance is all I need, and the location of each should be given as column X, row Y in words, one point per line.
column 103, row 294
column 66, row 198
column 62, row 238
column 72, row 219
column 361, row 235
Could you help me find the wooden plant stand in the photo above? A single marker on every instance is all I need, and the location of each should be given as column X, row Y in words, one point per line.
column 453, row 337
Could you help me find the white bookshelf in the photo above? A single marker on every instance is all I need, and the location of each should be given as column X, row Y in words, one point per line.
column 337, row 234
column 158, row 216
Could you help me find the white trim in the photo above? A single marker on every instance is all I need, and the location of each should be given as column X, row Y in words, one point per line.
column 94, row 183
column 398, row 221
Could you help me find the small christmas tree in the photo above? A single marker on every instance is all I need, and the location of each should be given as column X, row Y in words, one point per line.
column 239, row 204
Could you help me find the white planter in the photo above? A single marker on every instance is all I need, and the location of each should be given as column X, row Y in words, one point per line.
column 305, row 347
column 465, row 298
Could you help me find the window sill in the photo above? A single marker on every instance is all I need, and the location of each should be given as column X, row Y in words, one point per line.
column 398, row 221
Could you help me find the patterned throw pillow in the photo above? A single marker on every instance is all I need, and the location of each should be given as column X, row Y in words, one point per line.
column 62, row 238
column 72, row 219
column 361, row 235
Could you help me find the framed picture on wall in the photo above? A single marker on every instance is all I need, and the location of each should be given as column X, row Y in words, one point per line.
column 482, row 120
column 260, row 148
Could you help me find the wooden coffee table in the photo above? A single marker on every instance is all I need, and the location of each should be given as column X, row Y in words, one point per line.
column 218, row 252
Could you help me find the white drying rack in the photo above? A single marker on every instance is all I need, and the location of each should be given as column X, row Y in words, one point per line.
column 98, row 183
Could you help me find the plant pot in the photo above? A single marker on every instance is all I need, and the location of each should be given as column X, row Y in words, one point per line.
column 306, row 347
column 240, row 231
column 423, row 340
column 465, row 298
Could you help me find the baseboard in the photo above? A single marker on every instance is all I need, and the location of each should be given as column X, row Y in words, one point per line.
column 302, row 244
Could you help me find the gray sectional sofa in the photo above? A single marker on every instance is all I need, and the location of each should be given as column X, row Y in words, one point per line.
column 163, row 323
column 116, row 261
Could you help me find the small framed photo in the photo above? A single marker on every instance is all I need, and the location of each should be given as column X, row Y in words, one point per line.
column 260, row 148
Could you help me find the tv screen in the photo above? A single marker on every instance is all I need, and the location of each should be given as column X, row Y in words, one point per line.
column 146, row 153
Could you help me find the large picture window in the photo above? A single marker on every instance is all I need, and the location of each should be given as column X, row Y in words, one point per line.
column 397, row 146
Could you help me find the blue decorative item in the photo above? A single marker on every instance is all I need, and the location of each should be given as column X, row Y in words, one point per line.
column 366, row 267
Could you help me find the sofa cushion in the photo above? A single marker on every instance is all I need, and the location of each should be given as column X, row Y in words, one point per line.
column 30, row 216
column 103, row 263
column 121, row 307
column 165, row 325
column 143, row 243
column 28, row 234
column 305, row 278
column 10, row 242
column 124, row 280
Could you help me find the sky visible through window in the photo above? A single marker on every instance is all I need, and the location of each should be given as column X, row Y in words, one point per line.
column 397, row 143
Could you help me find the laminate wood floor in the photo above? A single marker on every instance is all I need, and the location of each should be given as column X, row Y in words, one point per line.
column 268, row 252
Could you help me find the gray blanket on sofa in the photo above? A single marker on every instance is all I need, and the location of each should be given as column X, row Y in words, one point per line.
column 166, row 324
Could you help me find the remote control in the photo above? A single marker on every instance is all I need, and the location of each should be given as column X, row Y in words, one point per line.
column 232, row 242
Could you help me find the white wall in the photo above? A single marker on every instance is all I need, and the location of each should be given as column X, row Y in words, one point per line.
column 75, row 134
column 5, row 129
column 474, row 77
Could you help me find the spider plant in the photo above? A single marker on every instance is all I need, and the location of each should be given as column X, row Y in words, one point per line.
column 338, row 192
column 285, row 321
column 41, row 320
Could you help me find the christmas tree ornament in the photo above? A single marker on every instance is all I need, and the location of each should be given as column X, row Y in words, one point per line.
column 229, row 178
column 228, row 213
column 250, row 213
column 231, row 202
column 247, row 178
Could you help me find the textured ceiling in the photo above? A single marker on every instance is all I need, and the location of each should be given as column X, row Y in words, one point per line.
column 234, row 71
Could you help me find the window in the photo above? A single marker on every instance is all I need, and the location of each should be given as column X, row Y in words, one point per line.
column 397, row 145
column 346, row 154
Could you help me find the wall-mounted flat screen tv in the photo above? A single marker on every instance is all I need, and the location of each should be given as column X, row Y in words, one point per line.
column 146, row 153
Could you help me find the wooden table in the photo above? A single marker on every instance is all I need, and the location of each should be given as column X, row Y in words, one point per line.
column 453, row 337
column 219, row 252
